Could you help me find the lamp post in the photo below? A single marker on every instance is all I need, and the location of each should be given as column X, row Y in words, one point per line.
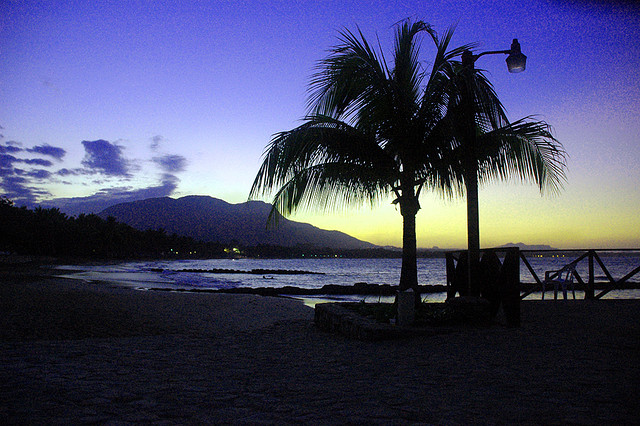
column 516, row 62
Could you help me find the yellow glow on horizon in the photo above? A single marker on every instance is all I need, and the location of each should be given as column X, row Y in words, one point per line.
column 509, row 213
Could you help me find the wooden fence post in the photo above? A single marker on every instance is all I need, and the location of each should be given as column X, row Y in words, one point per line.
column 510, row 286
column 451, row 271
column 589, row 292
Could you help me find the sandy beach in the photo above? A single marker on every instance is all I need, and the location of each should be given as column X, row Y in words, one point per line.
column 77, row 353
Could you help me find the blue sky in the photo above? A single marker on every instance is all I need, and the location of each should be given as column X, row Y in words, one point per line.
column 103, row 102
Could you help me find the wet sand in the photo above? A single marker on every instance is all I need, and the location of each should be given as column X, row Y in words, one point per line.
column 75, row 353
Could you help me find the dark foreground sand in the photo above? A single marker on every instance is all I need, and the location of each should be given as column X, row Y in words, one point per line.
column 75, row 353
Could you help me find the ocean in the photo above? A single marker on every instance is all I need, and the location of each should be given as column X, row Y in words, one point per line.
column 170, row 274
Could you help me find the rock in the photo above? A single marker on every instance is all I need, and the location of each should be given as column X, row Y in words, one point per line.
column 406, row 307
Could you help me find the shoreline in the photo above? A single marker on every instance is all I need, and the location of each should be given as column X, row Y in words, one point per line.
column 40, row 266
column 73, row 352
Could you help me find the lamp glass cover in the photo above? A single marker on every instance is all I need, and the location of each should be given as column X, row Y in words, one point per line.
column 516, row 62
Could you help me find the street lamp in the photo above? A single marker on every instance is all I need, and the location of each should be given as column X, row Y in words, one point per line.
column 516, row 62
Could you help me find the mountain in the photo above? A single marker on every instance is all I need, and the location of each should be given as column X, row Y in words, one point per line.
column 523, row 246
column 213, row 220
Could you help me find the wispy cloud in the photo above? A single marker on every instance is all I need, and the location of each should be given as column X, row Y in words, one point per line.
column 9, row 149
column 171, row 163
column 22, row 184
column 38, row 174
column 155, row 141
column 107, row 197
column 69, row 172
column 48, row 150
column 24, row 174
column 36, row 162
column 6, row 164
column 7, row 161
column 18, row 188
column 104, row 157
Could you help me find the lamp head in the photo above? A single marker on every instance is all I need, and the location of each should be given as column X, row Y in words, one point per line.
column 516, row 61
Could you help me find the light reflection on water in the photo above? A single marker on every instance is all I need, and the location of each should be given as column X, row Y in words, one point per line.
column 334, row 271
column 311, row 301
column 440, row 297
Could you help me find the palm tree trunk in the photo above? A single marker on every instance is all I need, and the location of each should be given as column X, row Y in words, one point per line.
column 409, row 271
column 473, row 233
column 409, row 207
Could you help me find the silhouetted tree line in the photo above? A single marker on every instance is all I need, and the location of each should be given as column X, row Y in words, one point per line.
column 49, row 232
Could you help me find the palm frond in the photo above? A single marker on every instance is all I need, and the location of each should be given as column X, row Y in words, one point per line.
column 525, row 149
column 407, row 75
column 299, row 161
column 346, row 78
column 330, row 187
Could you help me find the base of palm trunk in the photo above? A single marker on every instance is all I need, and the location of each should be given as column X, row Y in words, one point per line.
column 406, row 308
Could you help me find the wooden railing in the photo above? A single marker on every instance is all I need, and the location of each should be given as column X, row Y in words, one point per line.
column 587, row 283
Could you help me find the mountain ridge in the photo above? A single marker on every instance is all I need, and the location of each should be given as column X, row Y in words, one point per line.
column 523, row 246
column 211, row 219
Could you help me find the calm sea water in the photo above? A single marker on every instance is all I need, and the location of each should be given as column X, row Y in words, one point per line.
column 147, row 275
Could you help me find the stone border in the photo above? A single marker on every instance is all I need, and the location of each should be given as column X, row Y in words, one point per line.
column 336, row 318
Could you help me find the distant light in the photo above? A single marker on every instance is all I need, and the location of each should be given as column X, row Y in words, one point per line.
column 516, row 61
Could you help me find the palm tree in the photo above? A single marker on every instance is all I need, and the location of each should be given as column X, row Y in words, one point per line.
column 376, row 131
